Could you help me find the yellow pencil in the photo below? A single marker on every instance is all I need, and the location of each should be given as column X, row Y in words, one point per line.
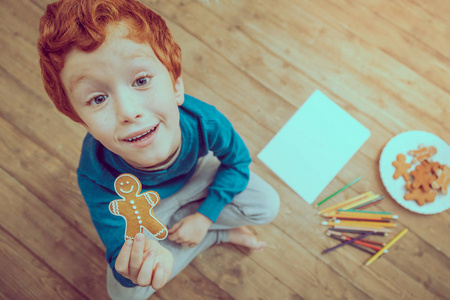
column 395, row 239
column 339, row 205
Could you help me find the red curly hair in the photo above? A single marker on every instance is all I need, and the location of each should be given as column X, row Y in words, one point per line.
column 82, row 24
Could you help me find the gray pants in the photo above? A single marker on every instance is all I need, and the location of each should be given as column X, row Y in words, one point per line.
column 258, row 204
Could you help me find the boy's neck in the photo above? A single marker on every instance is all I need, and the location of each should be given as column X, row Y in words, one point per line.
column 165, row 164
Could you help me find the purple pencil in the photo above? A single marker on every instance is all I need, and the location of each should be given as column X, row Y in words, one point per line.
column 348, row 242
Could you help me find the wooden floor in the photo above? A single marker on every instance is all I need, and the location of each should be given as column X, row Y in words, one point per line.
column 385, row 62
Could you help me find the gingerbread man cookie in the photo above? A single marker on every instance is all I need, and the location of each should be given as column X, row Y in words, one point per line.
column 422, row 153
column 136, row 208
column 421, row 179
column 420, row 196
column 443, row 179
column 401, row 167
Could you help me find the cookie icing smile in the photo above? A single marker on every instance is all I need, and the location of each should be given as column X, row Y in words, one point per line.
column 127, row 192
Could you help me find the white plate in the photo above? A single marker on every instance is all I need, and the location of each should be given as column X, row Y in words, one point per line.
column 403, row 143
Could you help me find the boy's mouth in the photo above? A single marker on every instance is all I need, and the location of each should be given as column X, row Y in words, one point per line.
column 142, row 136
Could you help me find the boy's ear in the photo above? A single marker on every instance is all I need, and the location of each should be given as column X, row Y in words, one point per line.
column 179, row 90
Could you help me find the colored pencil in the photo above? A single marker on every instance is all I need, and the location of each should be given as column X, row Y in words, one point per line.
column 364, row 244
column 368, row 241
column 356, row 231
column 347, row 242
column 339, row 205
column 366, row 211
column 366, row 224
column 363, row 217
column 350, row 237
column 388, row 245
column 386, row 230
column 353, row 245
column 356, row 219
column 340, row 190
column 361, row 242
column 367, row 214
column 370, row 217
column 363, row 202
column 372, row 203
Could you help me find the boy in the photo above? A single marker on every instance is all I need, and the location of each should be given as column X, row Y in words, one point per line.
column 113, row 67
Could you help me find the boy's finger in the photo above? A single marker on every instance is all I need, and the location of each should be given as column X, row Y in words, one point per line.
column 160, row 277
column 145, row 274
column 137, row 254
column 123, row 259
column 175, row 227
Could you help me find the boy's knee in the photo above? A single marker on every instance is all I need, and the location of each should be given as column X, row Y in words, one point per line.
column 268, row 205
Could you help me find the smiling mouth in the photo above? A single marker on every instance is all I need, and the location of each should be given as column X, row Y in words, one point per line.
column 143, row 136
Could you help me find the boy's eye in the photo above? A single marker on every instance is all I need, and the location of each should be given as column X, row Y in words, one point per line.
column 98, row 100
column 141, row 81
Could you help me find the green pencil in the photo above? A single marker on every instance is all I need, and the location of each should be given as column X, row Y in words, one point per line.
column 343, row 188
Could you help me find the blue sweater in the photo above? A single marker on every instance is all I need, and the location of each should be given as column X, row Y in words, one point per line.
column 203, row 129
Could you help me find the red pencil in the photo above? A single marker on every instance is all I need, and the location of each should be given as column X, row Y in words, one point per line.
column 363, row 244
column 368, row 241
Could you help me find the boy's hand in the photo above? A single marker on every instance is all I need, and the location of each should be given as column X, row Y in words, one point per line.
column 191, row 230
column 145, row 262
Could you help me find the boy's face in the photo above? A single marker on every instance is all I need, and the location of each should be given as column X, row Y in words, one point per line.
column 126, row 99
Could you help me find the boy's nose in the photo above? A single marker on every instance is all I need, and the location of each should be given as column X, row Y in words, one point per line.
column 128, row 107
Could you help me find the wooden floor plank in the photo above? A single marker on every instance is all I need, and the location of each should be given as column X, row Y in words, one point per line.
column 44, row 233
column 36, row 170
column 239, row 275
column 35, row 279
column 190, row 284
